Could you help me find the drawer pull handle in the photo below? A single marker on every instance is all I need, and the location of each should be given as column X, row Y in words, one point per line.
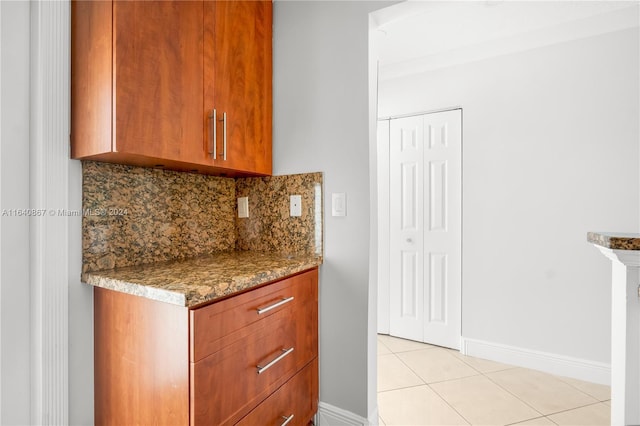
column 275, row 305
column 287, row 420
column 284, row 353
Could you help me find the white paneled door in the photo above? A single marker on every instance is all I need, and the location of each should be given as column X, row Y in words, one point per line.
column 425, row 217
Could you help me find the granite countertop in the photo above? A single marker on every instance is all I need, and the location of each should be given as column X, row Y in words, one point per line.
column 196, row 281
column 615, row 240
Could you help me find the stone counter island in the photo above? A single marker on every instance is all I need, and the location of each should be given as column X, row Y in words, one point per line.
column 624, row 251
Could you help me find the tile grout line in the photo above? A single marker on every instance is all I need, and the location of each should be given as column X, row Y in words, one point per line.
column 479, row 373
column 547, row 417
column 449, row 404
column 528, row 420
column 436, row 392
column 401, row 388
column 580, row 390
column 550, row 414
column 597, row 400
column 426, row 345
column 541, row 415
column 486, row 375
column 576, row 408
column 525, row 402
column 380, row 342
column 514, row 395
column 441, row 381
column 487, row 372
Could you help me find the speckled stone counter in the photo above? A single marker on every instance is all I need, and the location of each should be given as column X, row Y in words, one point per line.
column 203, row 279
column 615, row 240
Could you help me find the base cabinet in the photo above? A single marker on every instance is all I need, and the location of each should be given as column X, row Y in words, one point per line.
column 249, row 359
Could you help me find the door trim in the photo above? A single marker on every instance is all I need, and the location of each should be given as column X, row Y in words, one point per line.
column 384, row 221
column 49, row 189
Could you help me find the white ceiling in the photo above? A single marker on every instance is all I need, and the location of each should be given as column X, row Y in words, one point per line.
column 417, row 36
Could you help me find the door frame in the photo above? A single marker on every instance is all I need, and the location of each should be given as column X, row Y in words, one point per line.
column 384, row 220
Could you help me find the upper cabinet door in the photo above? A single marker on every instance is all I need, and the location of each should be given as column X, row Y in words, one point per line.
column 158, row 84
column 238, row 84
column 147, row 75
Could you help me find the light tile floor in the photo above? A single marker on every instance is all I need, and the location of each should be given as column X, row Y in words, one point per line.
column 420, row 384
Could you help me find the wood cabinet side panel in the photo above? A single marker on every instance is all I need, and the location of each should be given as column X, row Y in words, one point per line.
column 141, row 361
column 306, row 318
column 91, row 56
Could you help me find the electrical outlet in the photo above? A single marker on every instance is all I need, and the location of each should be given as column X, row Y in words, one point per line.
column 243, row 207
column 295, row 206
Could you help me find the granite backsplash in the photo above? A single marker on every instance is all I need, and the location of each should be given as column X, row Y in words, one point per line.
column 276, row 231
column 135, row 215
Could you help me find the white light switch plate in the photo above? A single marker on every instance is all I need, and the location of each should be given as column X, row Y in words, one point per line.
column 243, row 207
column 339, row 204
column 295, row 206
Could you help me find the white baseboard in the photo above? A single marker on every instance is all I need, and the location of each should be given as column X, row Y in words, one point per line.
column 329, row 415
column 560, row 365
column 374, row 416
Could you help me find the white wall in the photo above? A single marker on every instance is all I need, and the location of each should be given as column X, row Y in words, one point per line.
column 550, row 151
column 15, row 309
column 14, row 194
column 321, row 123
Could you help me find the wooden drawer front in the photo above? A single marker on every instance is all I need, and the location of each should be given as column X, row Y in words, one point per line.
column 213, row 326
column 298, row 398
column 226, row 384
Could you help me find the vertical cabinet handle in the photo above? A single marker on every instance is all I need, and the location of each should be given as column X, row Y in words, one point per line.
column 211, row 130
column 273, row 362
column 224, row 136
column 212, row 134
column 286, row 420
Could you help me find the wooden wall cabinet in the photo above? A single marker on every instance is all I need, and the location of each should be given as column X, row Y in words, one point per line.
column 221, row 364
column 146, row 77
column 238, row 83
